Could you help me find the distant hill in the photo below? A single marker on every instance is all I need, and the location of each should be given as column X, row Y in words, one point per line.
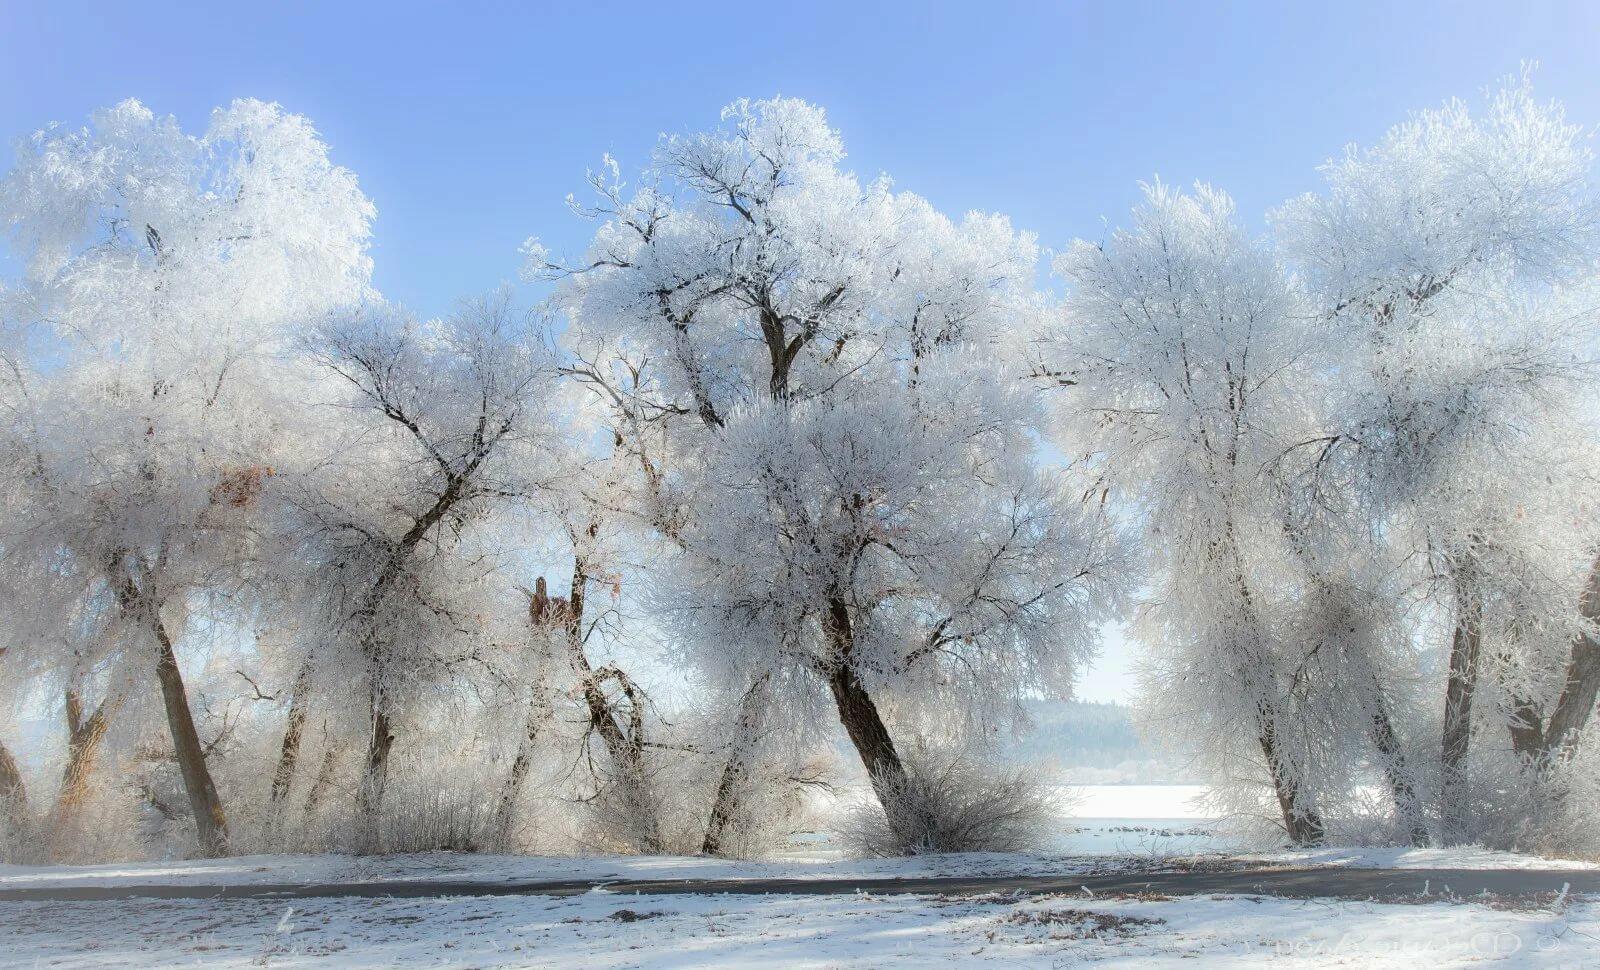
column 1090, row 743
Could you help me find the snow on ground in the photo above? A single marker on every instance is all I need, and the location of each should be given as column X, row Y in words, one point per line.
column 604, row 930
column 1111, row 826
column 1399, row 857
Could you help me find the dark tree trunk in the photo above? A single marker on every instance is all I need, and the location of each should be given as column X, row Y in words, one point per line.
column 1466, row 645
column 211, row 822
column 864, row 725
column 725, row 805
column 1577, row 702
column 293, row 729
column 1304, row 826
column 376, row 777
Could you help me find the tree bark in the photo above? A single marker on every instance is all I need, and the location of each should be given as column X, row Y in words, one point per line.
column 1577, row 702
column 84, row 736
column 1407, row 806
column 293, row 729
column 725, row 805
column 1466, row 645
column 323, row 781
column 375, row 779
column 1303, row 826
column 1581, row 687
column 13, row 791
column 624, row 744
column 864, row 725
column 1402, row 788
column 511, row 790
column 211, row 822
column 375, row 776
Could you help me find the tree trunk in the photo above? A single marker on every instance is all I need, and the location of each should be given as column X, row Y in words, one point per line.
column 84, row 736
column 1577, row 702
column 13, row 792
column 1303, row 826
column 1407, row 806
column 511, row 790
column 375, row 776
column 625, row 745
column 211, row 822
column 1582, row 684
column 864, row 725
column 323, row 781
column 293, row 729
column 1465, row 647
column 725, row 806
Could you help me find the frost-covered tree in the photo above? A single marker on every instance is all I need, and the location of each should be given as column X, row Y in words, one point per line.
column 1456, row 263
column 1183, row 352
column 163, row 272
column 813, row 376
column 444, row 426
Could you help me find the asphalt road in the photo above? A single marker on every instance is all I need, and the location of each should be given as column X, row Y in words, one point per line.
column 1340, row 883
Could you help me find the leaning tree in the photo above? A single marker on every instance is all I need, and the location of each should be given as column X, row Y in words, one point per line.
column 813, row 377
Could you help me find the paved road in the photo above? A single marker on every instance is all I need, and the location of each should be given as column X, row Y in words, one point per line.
column 1299, row 883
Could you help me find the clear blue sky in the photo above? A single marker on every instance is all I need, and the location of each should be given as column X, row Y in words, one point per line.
column 469, row 123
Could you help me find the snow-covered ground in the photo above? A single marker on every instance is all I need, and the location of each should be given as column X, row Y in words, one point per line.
column 607, row 930
column 1112, row 827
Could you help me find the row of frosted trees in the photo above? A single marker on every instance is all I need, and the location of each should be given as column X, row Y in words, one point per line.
column 785, row 452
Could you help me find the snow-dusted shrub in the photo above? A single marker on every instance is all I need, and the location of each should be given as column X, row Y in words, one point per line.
column 951, row 803
column 428, row 819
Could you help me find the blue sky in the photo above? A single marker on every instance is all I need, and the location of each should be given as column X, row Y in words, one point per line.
column 469, row 123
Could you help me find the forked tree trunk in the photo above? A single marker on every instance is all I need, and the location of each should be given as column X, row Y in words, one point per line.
column 1402, row 789
column 84, row 737
column 625, row 746
column 1581, row 686
column 730, row 786
column 1466, row 645
column 369, row 799
column 1545, row 745
column 624, row 743
column 210, row 821
column 1577, row 702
